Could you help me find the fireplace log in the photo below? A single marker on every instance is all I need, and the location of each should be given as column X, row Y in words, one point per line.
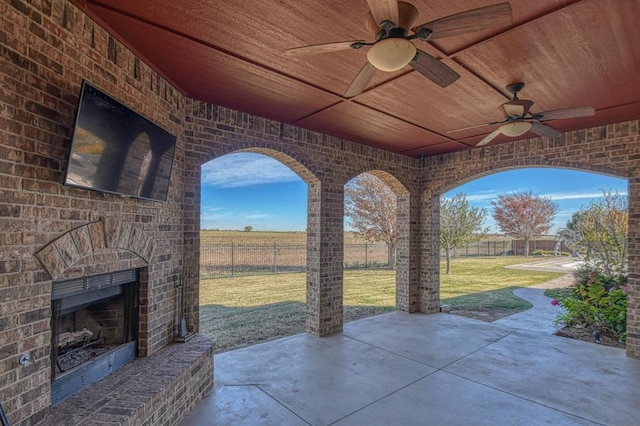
column 73, row 339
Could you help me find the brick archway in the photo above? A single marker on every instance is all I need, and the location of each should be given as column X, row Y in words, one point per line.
column 326, row 163
column 612, row 150
column 472, row 174
column 318, row 322
column 406, row 264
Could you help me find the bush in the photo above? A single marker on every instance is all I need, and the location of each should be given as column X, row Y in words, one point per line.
column 540, row 252
column 597, row 300
column 587, row 274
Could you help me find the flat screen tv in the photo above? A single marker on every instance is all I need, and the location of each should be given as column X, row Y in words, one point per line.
column 116, row 150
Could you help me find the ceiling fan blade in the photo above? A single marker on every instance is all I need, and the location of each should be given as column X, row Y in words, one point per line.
column 433, row 69
column 384, row 10
column 491, row 136
column 483, row 18
column 469, row 127
column 558, row 114
column 322, row 48
column 360, row 82
column 544, row 130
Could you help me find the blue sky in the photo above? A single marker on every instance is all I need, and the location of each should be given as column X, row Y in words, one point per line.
column 252, row 189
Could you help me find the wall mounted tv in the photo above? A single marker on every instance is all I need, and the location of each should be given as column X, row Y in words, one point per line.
column 116, row 150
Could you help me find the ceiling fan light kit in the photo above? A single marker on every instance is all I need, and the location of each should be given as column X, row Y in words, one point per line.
column 391, row 54
column 515, row 128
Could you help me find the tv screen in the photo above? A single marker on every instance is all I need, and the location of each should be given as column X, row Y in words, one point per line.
column 116, row 150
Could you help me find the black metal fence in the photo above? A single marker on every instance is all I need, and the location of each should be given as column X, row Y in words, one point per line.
column 508, row 248
column 223, row 260
column 482, row 248
column 233, row 259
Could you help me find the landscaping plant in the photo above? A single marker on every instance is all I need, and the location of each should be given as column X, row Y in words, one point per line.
column 597, row 301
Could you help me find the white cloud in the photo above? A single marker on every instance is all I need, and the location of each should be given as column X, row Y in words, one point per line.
column 560, row 196
column 257, row 216
column 216, row 214
column 245, row 169
column 211, row 209
column 578, row 195
column 484, row 195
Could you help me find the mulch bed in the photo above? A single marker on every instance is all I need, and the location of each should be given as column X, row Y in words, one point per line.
column 587, row 334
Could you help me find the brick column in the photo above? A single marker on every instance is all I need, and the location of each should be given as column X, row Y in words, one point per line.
column 191, row 268
column 633, row 302
column 408, row 253
column 430, row 254
column 324, row 258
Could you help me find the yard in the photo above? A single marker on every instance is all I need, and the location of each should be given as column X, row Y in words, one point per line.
column 242, row 311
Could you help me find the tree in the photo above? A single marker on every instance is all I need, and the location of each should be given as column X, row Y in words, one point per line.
column 459, row 224
column 524, row 215
column 370, row 206
column 248, row 228
column 600, row 232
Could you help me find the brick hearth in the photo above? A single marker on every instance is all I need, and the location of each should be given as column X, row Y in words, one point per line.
column 157, row 390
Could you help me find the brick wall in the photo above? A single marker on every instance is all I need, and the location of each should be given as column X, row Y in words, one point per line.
column 48, row 47
column 325, row 164
column 51, row 232
column 613, row 150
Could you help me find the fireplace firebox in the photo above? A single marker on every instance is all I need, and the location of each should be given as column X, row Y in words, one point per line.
column 94, row 329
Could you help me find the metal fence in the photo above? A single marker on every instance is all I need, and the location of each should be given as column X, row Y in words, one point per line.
column 223, row 260
column 218, row 260
column 508, row 248
column 482, row 248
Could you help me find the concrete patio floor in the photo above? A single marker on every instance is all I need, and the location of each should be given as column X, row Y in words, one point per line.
column 440, row 369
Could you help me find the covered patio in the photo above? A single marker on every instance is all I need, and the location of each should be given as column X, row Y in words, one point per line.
column 215, row 75
column 440, row 369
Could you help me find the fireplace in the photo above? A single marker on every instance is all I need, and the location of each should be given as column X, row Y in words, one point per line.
column 94, row 329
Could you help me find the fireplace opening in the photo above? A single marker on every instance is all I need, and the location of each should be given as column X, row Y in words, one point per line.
column 94, row 329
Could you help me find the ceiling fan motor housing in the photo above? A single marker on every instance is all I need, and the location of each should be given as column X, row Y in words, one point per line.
column 408, row 17
column 514, row 88
column 517, row 108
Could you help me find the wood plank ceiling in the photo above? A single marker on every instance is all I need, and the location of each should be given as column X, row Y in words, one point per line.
column 569, row 53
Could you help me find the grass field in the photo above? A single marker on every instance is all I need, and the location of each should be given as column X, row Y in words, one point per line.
column 241, row 311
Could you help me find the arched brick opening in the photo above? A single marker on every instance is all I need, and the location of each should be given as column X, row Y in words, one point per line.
column 612, row 150
column 323, row 312
column 212, row 131
column 403, row 238
column 477, row 174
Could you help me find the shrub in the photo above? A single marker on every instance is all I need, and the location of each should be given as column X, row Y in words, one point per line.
column 597, row 300
column 586, row 274
column 541, row 252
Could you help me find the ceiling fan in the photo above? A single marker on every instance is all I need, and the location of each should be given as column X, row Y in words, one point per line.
column 394, row 24
column 518, row 118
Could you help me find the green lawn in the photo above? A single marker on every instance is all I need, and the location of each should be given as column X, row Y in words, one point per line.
column 485, row 283
column 240, row 311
